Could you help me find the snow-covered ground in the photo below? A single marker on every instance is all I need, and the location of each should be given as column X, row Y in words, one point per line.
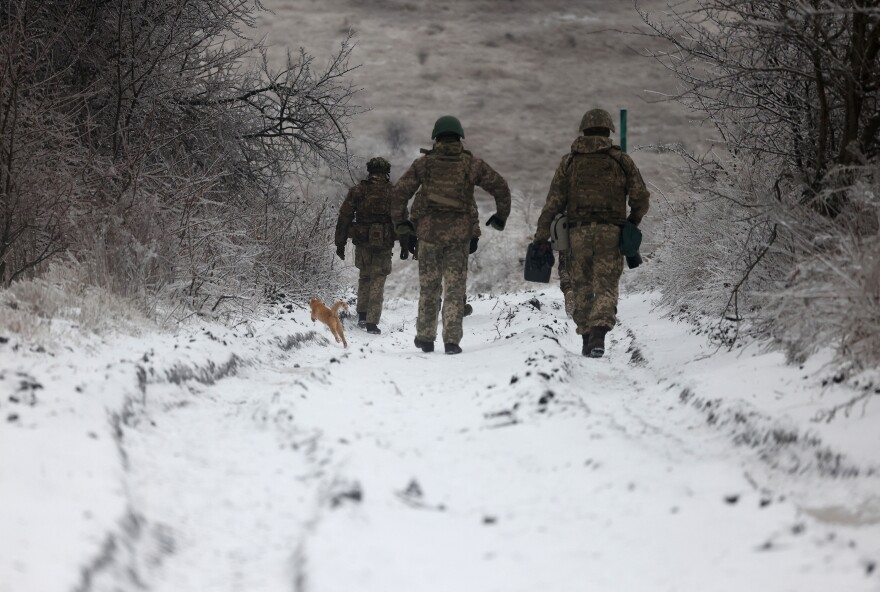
column 267, row 457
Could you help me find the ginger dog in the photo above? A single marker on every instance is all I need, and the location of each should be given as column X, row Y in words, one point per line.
column 329, row 317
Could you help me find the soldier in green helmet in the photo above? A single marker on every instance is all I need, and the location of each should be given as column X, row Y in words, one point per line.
column 416, row 210
column 366, row 218
column 445, row 178
column 592, row 186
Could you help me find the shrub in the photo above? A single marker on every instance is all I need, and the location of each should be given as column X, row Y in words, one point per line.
column 137, row 141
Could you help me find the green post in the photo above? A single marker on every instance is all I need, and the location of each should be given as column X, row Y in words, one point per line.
column 623, row 129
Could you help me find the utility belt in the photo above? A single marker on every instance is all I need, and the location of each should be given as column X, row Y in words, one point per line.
column 596, row 217
column 630, row 235
column 561, row 224
column 373, row 220
column 373, row 232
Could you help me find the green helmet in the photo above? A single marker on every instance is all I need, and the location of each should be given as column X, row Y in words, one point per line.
column 447, row 125
column 378, row 165
column 597, row 118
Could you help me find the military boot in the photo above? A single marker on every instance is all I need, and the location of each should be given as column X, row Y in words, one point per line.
column 425, row 346
column 595, row 345
column 452, row 348
column 362, row 320
column 372, row 328
column 585, row 348
column 468, row 310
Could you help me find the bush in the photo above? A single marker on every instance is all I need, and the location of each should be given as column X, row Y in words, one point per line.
column 779, row 233
column 136, row 141
column 397, row 135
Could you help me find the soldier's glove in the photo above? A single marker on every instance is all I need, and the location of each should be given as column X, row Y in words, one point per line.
column 473, row 246
column 404, row 248
column 634, row 261
column 340, row 251
column 405, row 228
column 632, row 219
column 496, row 222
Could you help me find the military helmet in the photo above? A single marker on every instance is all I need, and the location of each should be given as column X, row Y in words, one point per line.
column 447, row 125
column 378, row 165
column 597, row 118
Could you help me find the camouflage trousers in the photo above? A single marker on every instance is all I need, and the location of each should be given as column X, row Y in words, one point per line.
column 595, row 264
column 374, row 266
column 564, row 273
column 442, row 268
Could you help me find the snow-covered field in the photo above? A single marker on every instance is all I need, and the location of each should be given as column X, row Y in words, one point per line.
column 267, row 457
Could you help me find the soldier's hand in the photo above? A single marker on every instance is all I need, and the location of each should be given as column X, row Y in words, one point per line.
column 496, row 222
column 473, row 246
column 542, row 246
column 634, row 261
column 405, row 228
column 633, row 220
column 340, row 251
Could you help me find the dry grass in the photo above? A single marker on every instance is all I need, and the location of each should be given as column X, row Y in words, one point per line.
column 519, row 75
column 63, row 301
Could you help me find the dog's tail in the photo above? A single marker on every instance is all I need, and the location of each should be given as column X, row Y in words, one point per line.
column 339, row 304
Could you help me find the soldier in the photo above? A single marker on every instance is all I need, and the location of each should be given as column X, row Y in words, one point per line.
column 419, row 206
column 365, row 217
column 447, row 175
column 592, row 186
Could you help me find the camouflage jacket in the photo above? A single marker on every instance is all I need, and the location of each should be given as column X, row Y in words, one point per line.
column 355, row 217
column 602, row 197
column 445, row 226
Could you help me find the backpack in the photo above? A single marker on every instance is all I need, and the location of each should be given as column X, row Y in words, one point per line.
column 375, row 202
column 373, row 214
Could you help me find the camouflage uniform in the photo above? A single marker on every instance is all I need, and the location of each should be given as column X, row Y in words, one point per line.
column 365, row 217
column 565, row 282
column 564, row 274
column 418, row 208
column 592, row 186
column 444, row 225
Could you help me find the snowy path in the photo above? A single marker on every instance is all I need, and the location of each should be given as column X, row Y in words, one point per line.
column 277, row 461
column 517, row 466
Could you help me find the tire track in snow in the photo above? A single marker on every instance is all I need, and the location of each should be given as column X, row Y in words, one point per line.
column 518, row 465
column 525, row 455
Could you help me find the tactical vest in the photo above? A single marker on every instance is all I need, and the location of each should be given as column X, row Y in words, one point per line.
column 372, row 223
column 597, row 187
column 375, row 202
column 447, row 183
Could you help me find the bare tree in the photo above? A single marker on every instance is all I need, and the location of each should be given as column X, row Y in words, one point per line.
column 790, row 79
column 169, row 141
column 786, row 201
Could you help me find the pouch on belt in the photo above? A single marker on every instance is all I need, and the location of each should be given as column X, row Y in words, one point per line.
column 559, row 233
